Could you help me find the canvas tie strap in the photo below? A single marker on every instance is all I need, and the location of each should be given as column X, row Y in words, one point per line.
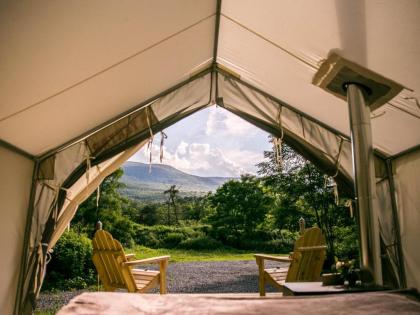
column 331, row 179
column 349, row 204
column 88, row 159
column 150, row 144
column 278, row 141
column 163, row 136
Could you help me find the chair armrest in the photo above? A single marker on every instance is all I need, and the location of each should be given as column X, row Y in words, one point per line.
column 146, row 261
column 269, row 257
column 130, row 256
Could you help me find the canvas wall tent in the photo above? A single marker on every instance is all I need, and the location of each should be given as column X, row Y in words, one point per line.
column 84, row 84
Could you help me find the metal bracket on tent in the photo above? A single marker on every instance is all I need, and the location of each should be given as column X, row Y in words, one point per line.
column 336, row 72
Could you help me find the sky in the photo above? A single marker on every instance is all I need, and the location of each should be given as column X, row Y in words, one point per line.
column 212, row 142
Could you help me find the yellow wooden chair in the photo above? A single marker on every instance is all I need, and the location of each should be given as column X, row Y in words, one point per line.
column 115, row 268
column 306, row 262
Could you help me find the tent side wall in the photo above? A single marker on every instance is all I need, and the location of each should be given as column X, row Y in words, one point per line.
column 407, row 188
column 16, row 174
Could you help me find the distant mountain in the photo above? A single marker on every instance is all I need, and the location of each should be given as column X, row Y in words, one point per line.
column 144, row 185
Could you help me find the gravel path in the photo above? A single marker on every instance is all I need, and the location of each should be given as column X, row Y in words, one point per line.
column 214, row 277
column 195, row 277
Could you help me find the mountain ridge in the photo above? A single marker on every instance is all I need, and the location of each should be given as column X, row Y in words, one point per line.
column 142, row 184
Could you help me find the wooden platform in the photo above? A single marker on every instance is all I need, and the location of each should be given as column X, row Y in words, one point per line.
column 377, row 303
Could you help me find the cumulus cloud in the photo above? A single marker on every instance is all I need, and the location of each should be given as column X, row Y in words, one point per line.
column 221, row 121
column 201, row 159
column 217, row 143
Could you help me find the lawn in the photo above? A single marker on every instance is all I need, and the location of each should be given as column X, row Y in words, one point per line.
column 180, row 255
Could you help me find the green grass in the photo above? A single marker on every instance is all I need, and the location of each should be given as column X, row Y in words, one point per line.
column 182, row 255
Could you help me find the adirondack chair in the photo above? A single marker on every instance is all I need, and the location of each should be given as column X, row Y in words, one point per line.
column 115, row 268
column 306, row 262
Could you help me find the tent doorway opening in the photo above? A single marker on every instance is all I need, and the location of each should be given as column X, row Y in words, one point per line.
column 258, row 212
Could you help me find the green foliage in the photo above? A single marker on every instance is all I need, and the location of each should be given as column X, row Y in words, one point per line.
column 71, row 264
column 200, row 243
column 346, row 242
column 148, row 214
column 239, row 207
column 300, row 189
column 164, row 236
column 114, row 211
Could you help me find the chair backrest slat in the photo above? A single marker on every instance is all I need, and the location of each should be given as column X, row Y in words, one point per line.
column 108, row 258
column 307, row 262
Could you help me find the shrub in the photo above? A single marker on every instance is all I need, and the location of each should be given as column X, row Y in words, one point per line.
column 71, row 264
column 123, row 230
column 200, row 243
column 172, row 239
column 346, row 242
column 163, row 236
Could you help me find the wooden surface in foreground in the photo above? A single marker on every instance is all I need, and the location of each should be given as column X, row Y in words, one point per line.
column 105, row 303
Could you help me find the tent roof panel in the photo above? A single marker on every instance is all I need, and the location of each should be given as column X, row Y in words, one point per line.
column 47, row 48
column 279, row 74
column 105, row 96
column 71, row 66
column 361, row 31
column 270, row 48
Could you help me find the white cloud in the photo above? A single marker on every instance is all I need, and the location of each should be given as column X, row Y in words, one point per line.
column 218, row 143
column 223, row 122
column 200, row 159
column 182, row 148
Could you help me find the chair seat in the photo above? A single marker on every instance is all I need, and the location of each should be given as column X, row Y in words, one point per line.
column 277, row 274
column 145, row 278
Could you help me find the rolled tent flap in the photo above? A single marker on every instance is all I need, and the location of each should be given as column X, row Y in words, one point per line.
column 320, row 143
column 407, row 188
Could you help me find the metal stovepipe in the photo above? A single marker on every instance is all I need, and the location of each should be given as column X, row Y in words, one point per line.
column 364, row 179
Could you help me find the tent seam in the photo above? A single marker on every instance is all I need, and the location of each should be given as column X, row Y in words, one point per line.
column 270, row 42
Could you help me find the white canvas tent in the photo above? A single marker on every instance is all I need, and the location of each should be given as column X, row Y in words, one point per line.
column 84, row 83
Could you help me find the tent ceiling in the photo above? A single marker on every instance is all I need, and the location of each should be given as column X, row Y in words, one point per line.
column 73, row 65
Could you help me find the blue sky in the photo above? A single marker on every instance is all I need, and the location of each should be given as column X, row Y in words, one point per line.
column 212, row 142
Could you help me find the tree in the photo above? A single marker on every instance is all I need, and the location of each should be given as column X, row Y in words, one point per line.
column 148, row 214
column 110, row 211
column 239, row 206
column 302, row 190
column 172, row 195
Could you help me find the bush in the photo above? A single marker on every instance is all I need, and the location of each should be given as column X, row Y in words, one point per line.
column 200, row 243
column 346, row 242
column 163, row 236
column 172, row 239
column 123, row 230
column 71, row 264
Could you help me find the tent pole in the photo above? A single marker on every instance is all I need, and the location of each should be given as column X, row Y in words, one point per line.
column 26, row 239
column 364, row 181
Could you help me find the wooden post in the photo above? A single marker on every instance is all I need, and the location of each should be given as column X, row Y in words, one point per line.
column 261, row 282
column 163, row 264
